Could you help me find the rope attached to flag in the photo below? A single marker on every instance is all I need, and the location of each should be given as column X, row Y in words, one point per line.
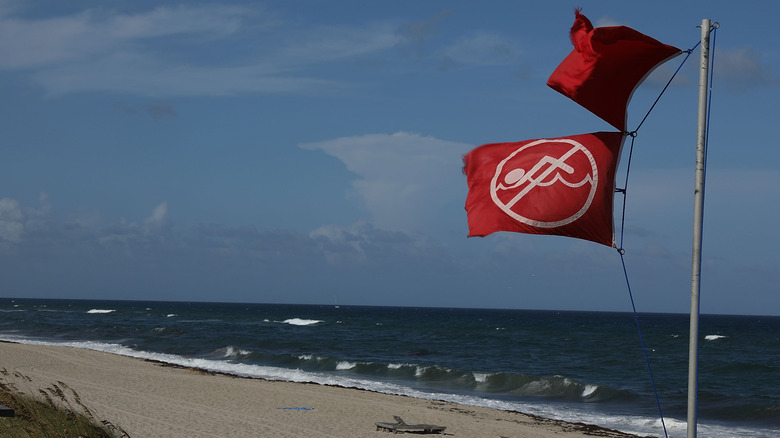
column 621, row 251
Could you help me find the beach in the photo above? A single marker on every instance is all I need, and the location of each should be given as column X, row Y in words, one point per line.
column 151, row 399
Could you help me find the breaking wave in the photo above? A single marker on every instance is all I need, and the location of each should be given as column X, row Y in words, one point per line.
column 300, row 321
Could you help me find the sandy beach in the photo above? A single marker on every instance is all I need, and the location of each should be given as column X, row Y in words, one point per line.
column 149, row 399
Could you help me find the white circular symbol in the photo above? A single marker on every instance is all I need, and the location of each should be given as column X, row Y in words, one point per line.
column 561, row 173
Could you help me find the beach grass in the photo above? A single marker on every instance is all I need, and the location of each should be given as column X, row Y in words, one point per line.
column 55, row 411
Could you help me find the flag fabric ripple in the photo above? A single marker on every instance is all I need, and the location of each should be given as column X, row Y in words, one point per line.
column 605, row 67
column 560, row 186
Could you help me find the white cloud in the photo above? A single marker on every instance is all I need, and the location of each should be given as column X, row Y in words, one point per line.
column 327, row 43
column 483, row 49
column 735, row 70
column 79, row 37
column 403, row 178
column 217, row 50
column 137, row 74
column 742, row 69
column 165, row 51
column 11, row 221
column 340, row 244
column 79, row 251
column 362, row 243
column 16, row 219
column 158, row 219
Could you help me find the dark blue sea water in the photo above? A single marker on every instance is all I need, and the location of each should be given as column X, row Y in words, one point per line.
column 576, row 366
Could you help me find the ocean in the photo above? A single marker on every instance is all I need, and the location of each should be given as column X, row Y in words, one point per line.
column 575, row 366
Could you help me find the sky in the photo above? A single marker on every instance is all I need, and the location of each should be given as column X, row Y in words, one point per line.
column 310, row 152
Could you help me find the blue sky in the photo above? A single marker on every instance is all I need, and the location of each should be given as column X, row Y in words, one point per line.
column 310, row 152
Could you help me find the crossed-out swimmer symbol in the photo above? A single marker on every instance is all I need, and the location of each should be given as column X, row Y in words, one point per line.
column 512, row 182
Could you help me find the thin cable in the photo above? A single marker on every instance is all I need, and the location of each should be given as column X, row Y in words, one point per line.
column 644, row 349
column 715, row 27
column 665, row 87
column 633, row 135
column 623, row 191
column 621, row 250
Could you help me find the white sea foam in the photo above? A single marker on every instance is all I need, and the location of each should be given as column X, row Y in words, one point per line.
column 233, row 352
column 101, row 310
column 589, row 390
column 481, row 377
column 344, row 365
column 300, row 321
column 713, row 337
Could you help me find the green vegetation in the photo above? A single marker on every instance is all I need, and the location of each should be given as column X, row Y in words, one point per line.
column 56, row 411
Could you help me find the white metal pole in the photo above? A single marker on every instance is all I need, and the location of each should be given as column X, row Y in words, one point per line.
column 698, row 218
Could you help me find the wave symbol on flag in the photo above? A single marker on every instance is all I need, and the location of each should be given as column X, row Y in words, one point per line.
column 546, row 183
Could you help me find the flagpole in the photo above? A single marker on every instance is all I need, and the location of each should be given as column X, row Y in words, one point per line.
column 698, row 213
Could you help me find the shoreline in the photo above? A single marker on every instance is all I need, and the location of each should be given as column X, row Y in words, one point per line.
column 151, row 398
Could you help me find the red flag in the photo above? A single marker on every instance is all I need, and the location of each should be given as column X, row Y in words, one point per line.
column 605, row 67
column 562, row 186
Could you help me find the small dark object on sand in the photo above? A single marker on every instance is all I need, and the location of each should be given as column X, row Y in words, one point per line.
column 401, row 426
